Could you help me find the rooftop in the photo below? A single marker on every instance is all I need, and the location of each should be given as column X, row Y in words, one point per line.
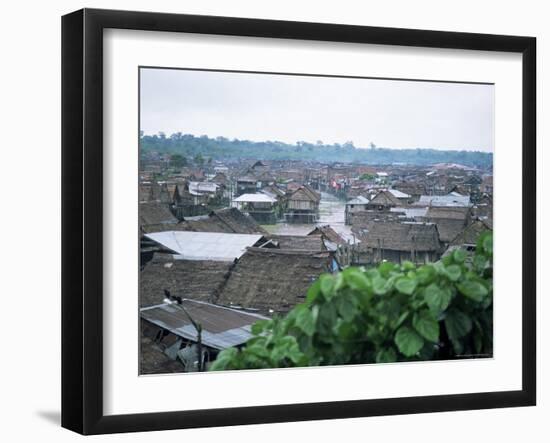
column 221, row 327
column 218, row 246
column 255, row 198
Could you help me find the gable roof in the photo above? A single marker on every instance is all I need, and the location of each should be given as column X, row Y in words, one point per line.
column 385, row 198
column 328, row 233
column 273, row 279
column 237, row 221
column 403, row 236
column 155, row 216
column 450, row 221
column 470, row 234
column 304, row 194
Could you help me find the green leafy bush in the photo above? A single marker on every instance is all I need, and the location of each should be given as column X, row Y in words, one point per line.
column 389, row 313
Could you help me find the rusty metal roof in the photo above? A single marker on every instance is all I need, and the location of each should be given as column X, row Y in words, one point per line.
column 221, row 327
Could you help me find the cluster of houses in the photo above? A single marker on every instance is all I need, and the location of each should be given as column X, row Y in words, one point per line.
column 210, row 268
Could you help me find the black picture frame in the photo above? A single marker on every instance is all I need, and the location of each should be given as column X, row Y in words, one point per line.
column 82, row 215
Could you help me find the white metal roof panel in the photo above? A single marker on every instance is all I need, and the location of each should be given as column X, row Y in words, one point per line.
column 217, row 246
column 255, row 198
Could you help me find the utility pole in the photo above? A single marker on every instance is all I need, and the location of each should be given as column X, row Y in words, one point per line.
column 175, row 300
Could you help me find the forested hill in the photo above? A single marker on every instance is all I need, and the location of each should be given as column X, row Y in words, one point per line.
column 222, row 148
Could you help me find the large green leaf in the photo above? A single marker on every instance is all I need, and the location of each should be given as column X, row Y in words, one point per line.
column 459, row 255
column 380, row 285
column 457, row 323
column 405, row 285
column 426, row 325
column 346, row 307
column 473, row 289
column 356, row 279
column 408, row 341
column 453, row 272
column 437, row 299
column 327, row 285
column 306, row 320
column 425, row 274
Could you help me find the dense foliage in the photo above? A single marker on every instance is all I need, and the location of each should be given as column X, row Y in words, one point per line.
column 389, row 313
column 190, row 146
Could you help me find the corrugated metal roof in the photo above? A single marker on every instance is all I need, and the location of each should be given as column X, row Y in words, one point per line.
column 398, row 194
column 221, row 327
column 255, row 198
column 359, row 200
column 444, row 200
column 411, row 212
column 201, row 187
column 191, row 245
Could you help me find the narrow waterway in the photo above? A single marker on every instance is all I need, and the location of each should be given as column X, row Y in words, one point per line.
column 331, row 212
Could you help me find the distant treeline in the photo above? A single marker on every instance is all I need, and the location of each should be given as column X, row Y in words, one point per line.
column 221, row 148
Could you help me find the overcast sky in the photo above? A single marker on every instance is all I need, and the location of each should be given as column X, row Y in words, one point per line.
column 259, row 107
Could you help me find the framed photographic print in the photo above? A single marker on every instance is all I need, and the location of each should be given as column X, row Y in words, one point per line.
column 268, row 221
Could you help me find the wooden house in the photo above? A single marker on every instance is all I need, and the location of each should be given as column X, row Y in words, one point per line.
column 246, row 184
column 357, row 204
column 383, row 201
column 261, row 207
column 302, row 205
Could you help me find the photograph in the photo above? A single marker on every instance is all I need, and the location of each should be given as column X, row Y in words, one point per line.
column 292, row 220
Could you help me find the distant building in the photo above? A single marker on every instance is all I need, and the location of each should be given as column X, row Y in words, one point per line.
column 302, row 205
column 246, row 184
column 354, row 205
column 260, row 206
column 383, row 201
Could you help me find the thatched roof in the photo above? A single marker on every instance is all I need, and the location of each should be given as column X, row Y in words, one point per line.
column 364, row 219
column 298, row 242
column 385, row 198
column 273, row 279
column 450, row 221
column 328, row 233
column 304, row 194
column 470, row 233
column 403, row 236
column 229, row 220
column 193, row 279
column 238, row 222
column 156, row 217
column 448, row 212
column 316, row 195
